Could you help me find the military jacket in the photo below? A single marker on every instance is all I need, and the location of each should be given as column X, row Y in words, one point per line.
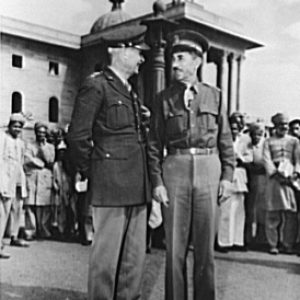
column 203, row 125
column 107, row 142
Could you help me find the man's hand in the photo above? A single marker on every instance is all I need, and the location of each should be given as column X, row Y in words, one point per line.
column 146, row 114
column 160, row 195
column 225, row 190
column 280, row 177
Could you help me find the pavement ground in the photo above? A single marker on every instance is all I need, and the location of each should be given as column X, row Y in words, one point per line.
column 50, row 270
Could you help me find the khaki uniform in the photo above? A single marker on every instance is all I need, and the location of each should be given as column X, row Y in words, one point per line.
column 200, row 153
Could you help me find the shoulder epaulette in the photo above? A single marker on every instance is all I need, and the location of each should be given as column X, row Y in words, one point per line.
column 211, row 86
column 95, row 74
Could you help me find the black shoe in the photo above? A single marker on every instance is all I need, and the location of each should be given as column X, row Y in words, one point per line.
column 240, row 248
column 4, row 255
column 222, row 249
column 86, row 242
column 18, row 243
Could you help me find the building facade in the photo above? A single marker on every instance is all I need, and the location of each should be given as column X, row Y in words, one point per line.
column 42, row 68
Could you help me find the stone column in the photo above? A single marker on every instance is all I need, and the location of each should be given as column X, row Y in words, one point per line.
column 232, row 82
column 222, row 76
column 158, row 67
column 239, row 60
column 158, row 26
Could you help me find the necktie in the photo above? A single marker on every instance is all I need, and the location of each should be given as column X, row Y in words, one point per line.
column 128, row 86
column 188, row 96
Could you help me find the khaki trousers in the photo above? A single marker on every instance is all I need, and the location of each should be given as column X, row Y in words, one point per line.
column 118, row 253
column 192, row 182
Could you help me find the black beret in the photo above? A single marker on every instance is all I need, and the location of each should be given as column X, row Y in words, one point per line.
column 188, row 40
column 294, row 122
column 127, row 36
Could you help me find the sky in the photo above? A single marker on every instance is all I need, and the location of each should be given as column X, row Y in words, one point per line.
column 270, row 75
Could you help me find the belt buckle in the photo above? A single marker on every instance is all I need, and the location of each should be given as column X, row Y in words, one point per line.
column 193, row 151
column 208, row 151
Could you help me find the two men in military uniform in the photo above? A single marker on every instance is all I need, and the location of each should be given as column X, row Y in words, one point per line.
column 109, row 147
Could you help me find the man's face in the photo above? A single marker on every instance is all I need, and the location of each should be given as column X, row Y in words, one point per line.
column 295, row 130
column 282, row 129
column 256, row 136
column 15, row 129
column 132, row 59
column 185, row 65
column 234, row 130
column 41, row 134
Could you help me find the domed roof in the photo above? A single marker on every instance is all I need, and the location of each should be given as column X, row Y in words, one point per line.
column 115, row 16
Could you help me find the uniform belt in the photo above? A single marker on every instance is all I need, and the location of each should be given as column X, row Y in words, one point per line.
column 193, row 151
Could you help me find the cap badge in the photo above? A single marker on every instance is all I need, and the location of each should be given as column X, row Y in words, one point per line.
column 176, row 39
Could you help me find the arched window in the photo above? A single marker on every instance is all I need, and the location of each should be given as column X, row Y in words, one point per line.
column 53, row 110
column 16, row 102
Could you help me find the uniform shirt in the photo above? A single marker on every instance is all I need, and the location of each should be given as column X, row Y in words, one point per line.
column 203, row 125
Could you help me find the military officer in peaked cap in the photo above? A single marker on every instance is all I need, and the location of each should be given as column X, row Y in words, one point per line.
column 108, row 147
column 190, row 121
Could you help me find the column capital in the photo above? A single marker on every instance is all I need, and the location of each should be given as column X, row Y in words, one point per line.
column 240, row 57
column 235, row 56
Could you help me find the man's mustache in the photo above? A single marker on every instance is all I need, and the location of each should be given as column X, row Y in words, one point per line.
column 176, row 69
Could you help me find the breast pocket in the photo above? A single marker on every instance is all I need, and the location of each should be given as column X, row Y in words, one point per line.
column 175, row 123
column 208, row 119
column 118, row 115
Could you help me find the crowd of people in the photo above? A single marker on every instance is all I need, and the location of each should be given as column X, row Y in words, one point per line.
column 205, row 170
column 39, row 199
column 263, row 209
column 47, row 204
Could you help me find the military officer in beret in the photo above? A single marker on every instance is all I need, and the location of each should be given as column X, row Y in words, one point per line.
column 107, row 144
column 189, row 120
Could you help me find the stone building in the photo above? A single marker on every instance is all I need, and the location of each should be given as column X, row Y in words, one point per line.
column 42, row 68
